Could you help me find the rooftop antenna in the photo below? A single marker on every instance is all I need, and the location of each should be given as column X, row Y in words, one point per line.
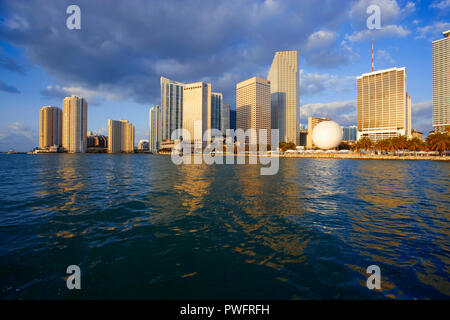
column 373, row 68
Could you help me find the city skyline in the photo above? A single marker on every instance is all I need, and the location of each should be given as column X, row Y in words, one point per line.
column 327, row 82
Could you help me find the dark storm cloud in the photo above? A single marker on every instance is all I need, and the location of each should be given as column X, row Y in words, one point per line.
column 7, row 88
column 125, row 46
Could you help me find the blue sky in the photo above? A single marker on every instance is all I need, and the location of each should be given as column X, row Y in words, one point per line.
column 123, row 47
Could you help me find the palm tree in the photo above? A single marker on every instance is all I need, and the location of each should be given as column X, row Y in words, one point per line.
column 438, row 142
column 415, row 144
column 363, row 143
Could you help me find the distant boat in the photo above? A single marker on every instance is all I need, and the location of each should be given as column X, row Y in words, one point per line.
column 11, row 151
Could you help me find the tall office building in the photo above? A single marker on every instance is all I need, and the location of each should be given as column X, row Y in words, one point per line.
column 284, row 88
column 74, row 124
column 312, row 122
column 441, row 82
column 225, row 117
column 155, row 129
column 216, row 110
column 383, row 106
column 349, row 133
column 171, row 107
column 197, row 107
column 233, row 119
column 120, row 136
column 253, row 105
column 50, row 120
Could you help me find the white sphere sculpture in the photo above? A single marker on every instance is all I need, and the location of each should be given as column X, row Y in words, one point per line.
column 327, row 135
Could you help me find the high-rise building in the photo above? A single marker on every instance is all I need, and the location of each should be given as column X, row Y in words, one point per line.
column 383, row 106
column 441, row 82
column 155, row 137
column 50, row 120
column 74, row 124
column 284, row 87
column 312, row 122
column 349, row 133
column 253, row 105
column 171, row 107
column 216, row 110
column 225, row 117
column 197, row 107
column 120, row 136
column 233, row 119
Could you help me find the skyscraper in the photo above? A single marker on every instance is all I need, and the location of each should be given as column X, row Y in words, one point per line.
column 349, row 133
column 284, row 86
column 441, row 82
column 120, row 136
column 216, row 110
column 74, row 124
column 171, row 107
column 50, row 120
column 225, row 118
column 155, row 129
column 253, row 105
column 197, row 107
column 383, row 106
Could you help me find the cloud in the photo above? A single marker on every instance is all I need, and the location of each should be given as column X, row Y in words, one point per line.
column 385, row 31
column 433, row 31
column 7, row 88
column 124, row 47
column 343, row 112
column 314, row 83
column 94, row 97
column 384, row 57
column 11, row 64
column 422, row 116
column 18, row 136
column 440, row 4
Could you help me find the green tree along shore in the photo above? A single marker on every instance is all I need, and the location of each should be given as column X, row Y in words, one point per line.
column 438, row 141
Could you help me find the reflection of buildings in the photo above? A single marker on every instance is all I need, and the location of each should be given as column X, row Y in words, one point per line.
column 441, row 82
column 74, row 124
column 383, row 106
column 50, row 127
column 121, row 136
column 312, row 122
column 253, row 105
column 349, row 133
column 284, row 86
column 196, row 107
column 171, row 107
column 155, row 129
column 225, row 121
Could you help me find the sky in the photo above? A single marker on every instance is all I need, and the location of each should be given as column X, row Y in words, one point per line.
column 123, row 47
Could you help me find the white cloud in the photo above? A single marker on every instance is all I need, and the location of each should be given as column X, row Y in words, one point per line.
column 385, row 57
column 315, row 83
column 432, row 32
column 440, row 4
column 343, row 112
column 385, row 31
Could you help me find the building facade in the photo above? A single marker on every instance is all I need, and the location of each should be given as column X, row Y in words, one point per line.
column 284, row 87
column 97, row 141
column 197, row 107
column 216, row 110
column 349, row 133
column 120, row 136
column 171, row 107
column 74, row 124
column 225, row 117
column 253, row 106
column 441, row 82
column 155, row 125
column 50, row 127
column 383, row 106
column 312, row 122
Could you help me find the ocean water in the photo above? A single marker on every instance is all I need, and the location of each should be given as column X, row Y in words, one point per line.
column 140, row 227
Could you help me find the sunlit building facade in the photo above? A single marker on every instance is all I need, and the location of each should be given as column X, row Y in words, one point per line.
column 383, row 106
column 441, row 82
column 284, row 88
column 197, row 107
column 253, row 106
column 120, row 136
column 50, row 127
column 155, row 136
column 74, row 124
column 171, row 107
column 225, row 117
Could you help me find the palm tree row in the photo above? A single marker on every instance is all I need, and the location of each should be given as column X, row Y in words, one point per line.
column 435, row 142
